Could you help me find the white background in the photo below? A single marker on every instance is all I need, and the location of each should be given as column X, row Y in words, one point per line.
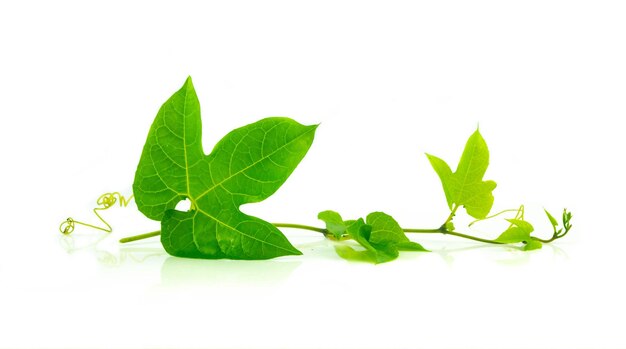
column 546, row 81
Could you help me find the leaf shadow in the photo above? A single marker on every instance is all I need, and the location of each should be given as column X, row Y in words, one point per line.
column 107, row 253
column 502, row 254
column 182, row 272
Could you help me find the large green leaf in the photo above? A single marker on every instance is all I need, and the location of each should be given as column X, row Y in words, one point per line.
column 248, row 165
column 465, row 187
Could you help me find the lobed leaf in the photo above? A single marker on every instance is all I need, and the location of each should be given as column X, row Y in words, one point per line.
column 465, row 187
column 248, row 165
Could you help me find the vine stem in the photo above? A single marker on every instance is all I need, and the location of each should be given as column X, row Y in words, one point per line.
column 300, row 226
column 140, row 237
column 325, row 232
column 453, row 233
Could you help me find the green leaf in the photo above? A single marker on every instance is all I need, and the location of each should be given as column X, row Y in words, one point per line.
column 334, row 223
column 449, row 226
column 519, row 231
column 387, row 231
column 380, row 235
column 532, row 244
column 522, row 224
column 553, row 220
column 349, row 253
column 411, row 246
column 465, row 187
column 248, row 165
column 445, row 175
column 361, row 233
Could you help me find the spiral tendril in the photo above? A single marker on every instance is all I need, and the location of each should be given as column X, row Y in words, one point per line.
column 104, row 202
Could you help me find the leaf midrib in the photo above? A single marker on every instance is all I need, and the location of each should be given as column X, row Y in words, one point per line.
column 185, row 141
column 469, row 167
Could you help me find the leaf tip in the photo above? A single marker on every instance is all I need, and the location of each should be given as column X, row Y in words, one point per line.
column 188, row 83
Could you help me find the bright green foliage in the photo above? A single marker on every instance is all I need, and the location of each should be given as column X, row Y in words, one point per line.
column 552, row 219
column 566, row 224
column 519, row 231
column 380, row 235
column 362, row 233
column 465, row 187
column 334, row 223
column 248, row 165
column 532, row 244
column 386, row 231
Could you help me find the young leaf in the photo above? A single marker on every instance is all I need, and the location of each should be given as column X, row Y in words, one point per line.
column 465, row 187
column 334, row 223
column 248, row 165
column 387, row 231
column 380, row 235
column 518, row 231
column 349, row 253
column 552, row 219
column 532, row 244
column 379, row 253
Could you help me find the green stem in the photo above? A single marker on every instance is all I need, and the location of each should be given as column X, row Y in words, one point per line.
column 554, row 237
column 278, row 225
column 452, row 213
column 325, row 232
column 453, row 233
column 140, row 237
column 300, row 226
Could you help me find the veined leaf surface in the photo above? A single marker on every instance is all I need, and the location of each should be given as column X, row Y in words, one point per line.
column 380, row 235
column 248, row 165
column 465, row 187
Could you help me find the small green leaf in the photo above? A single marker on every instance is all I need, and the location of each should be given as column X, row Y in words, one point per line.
column 387, row 231
column 445, row 175
column 519, row 231
column 513, row 235
column 379, row 253
column 334, row 223
column 532, row 244
column 522, row 224
column 247, row 166
column 465, row 187
column 567, row 217
column 349, row 253
column 551, row 218
column 381, row 236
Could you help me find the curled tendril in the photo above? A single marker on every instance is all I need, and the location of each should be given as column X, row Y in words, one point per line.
column 105, row 201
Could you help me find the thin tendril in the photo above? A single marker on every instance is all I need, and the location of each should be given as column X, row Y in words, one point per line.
column 104, row 202
column 499, row 213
